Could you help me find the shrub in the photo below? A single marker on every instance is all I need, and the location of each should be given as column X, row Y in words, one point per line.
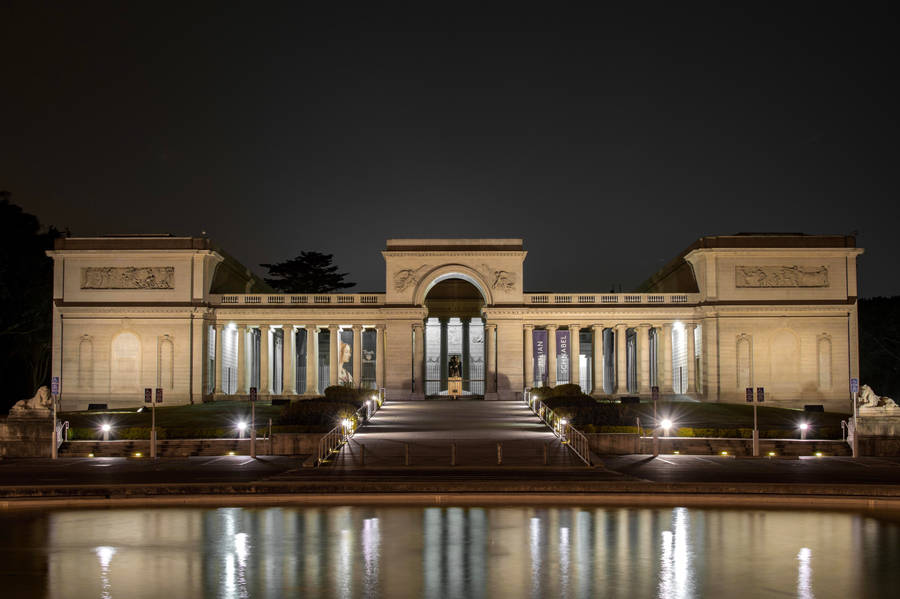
column 317, row 412
column 567, row 390
column 347, row 394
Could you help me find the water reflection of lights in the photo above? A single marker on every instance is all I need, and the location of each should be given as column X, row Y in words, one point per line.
column 675, row 578
column 105, row 555
column 804, row 574
column 534, row 545
column 564, row 561
column 371, row 545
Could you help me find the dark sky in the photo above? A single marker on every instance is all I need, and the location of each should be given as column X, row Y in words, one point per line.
column 608, row 141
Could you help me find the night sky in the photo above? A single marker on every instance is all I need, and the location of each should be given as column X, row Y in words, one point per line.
column 608, row 141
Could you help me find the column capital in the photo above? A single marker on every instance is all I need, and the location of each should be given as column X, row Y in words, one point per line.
column 416, row 325
column 287, row 327
column 356, row 327
column 690, row 325
column 551, row 327
column 528, row 326
column 573, row 327
column 597, row 327
column 644, row 325
column 219, row 326
column 492, row 326
column 667, row 325
column 334, row 327
column 379, row 327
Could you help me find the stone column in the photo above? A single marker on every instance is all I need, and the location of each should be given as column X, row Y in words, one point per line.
column 490, row 358
column 418, row 330
column 466, row 373
column 312, row 360
column 444, row 369
column 219, row 389
column 357, row 355
column 666, row 383
column 597, row 349
column 288, row 353
column 621, row 359
column 689, row 334
column 333, row 355
column 643, row 339
column 241, row 359
column 379, row 356
column 551, row 354
column 529, row 355
column 264, row 388
column 574, row 355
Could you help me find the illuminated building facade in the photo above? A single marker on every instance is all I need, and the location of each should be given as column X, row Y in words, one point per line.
column 730, row 312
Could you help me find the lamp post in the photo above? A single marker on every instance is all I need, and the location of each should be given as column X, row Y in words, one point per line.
column 105, row 428
column 252, row 422
column 803, row 429
column 760, row 398
column 854, row 442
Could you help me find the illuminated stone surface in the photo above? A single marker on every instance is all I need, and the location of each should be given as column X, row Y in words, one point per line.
column 773, row 311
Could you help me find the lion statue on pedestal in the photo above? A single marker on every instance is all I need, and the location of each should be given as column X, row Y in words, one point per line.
column 38, row 405
column 869, row 399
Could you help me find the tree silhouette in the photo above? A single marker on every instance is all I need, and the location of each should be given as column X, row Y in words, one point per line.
column 26, row 295
column 310, row 272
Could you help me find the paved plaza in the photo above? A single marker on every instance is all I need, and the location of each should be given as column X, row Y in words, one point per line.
column 429, row 429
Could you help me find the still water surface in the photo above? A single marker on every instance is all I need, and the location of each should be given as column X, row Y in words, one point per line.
column 446, row 552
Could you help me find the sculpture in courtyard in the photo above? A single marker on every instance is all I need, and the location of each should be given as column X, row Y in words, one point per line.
column 454, row 368
column 39, row 405
column 869, row 399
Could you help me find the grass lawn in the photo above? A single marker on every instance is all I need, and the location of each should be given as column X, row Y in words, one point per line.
column 218, row 416
column 722, row 415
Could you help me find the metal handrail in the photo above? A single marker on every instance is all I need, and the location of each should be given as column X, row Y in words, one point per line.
column 332, row 441
column 575, row 439
column 62, row 433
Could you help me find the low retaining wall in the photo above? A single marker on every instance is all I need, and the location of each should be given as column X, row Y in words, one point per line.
column 624, row 444
column 25, row 438
column 281, row 444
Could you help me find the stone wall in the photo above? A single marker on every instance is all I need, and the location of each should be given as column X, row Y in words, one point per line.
column 23, row 438
column 625, row 444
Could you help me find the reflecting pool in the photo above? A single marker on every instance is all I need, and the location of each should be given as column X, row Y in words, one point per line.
column 447, row 552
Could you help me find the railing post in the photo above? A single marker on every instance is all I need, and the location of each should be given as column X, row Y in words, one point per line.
column 499, row 453
column 406, row 454
column 453, row 454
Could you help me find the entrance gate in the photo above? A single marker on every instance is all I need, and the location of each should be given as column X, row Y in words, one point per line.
column 449, row 337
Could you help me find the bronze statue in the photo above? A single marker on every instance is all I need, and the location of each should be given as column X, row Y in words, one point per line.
column 455, row 367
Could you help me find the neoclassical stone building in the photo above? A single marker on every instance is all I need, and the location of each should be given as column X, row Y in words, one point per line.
column 730, row 312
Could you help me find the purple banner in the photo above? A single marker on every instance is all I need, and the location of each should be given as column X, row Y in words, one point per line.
column 539, row 342
column 562, row 357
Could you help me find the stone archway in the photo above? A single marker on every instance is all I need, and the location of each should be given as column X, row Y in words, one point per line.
column 452, row 271
column 454, row 336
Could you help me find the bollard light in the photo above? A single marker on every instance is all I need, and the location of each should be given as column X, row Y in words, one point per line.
column 347, row 424
column 803, row 426
column 105, row 428
column 241, row 426
column 666, row 425
column 563, row 422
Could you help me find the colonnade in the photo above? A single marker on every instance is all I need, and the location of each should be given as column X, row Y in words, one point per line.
column 287, row 366
column 643, row 365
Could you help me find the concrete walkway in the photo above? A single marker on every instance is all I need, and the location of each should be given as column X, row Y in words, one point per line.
column 430, row 428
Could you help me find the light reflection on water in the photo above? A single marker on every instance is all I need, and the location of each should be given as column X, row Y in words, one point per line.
column 446, row 552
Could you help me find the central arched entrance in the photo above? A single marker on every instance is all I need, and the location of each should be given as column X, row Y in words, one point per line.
column 454, row 334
